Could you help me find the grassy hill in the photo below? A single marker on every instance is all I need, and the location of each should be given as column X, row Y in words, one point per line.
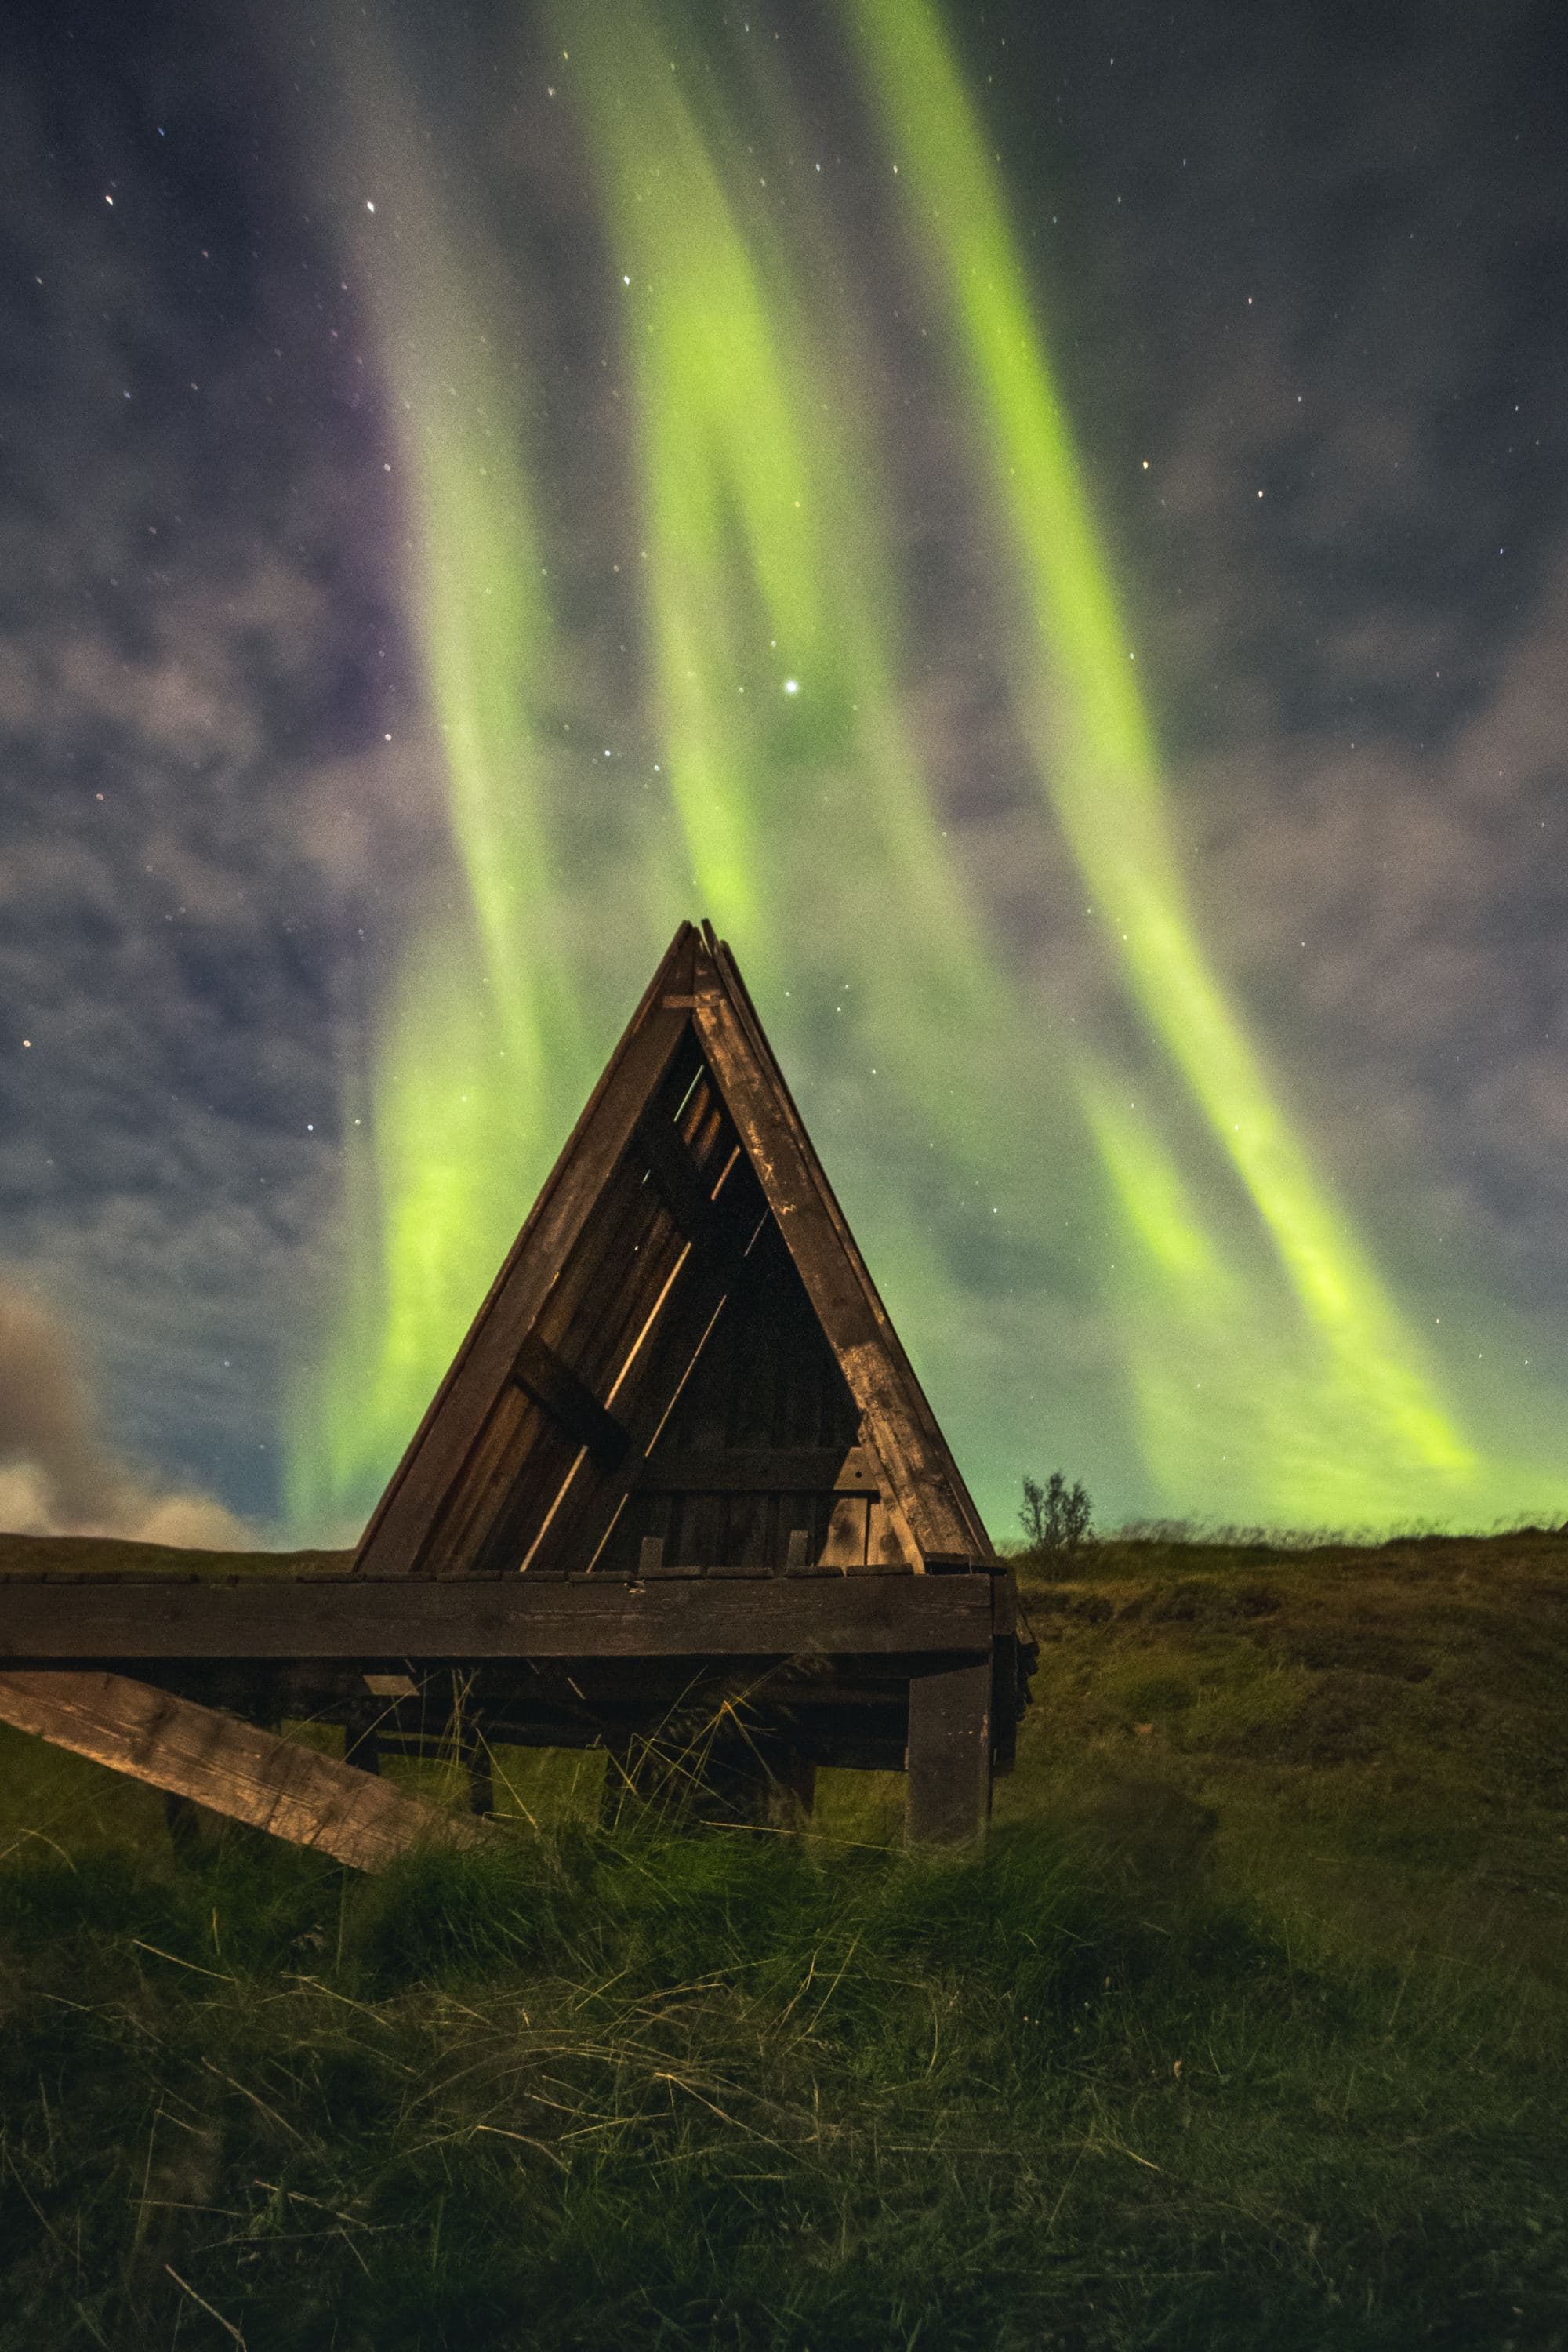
column 1249, row 2029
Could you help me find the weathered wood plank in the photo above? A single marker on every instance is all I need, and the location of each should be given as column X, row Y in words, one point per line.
column 597, row 1310
column 844, row 1545
column 944, row 1524
column 483, row 1364
column 252, row 1776
column 688, row 1198
column 948, row 1762
column 395, row 1618
column 520, row 1445
column 663, row 1365
column 511, row 1489
column 785, row 1168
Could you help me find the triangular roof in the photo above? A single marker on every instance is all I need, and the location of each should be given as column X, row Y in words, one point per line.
column 686, row 1234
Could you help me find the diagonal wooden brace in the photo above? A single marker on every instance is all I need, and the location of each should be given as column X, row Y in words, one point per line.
column 231, row 1767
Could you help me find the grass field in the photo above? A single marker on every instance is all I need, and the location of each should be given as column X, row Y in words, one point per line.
column 1248, row 2030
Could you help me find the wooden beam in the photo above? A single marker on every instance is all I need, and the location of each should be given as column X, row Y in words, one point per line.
column 395, row 1619
column 252, row 1776
column 929, row 1495
column 698, row 1292
column 686, row 1196
column 927, row 1512
column 461, row 1405
column 776, row 1470
column 573, row 1408
column 948, row 1762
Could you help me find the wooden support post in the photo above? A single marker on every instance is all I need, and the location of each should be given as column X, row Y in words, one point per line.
column 253, row 1776
column 948, row 1763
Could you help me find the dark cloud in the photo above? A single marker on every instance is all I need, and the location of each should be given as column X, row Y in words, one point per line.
column 198, row 651
column 57, row 1476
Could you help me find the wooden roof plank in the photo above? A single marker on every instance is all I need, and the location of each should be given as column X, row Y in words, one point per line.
column 926, row 1491
column 912, row 1394
column 457, row 1413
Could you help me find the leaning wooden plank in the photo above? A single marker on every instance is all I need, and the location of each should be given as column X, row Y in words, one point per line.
column 229, row 1765
column 393, row 1619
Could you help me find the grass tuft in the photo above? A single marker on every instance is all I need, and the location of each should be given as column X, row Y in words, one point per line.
column 1247, row 2028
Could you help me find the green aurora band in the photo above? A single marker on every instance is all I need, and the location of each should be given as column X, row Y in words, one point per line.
column 1344, row 1415
column 477, row 1062
column 767, row 590
column 1271, row 1375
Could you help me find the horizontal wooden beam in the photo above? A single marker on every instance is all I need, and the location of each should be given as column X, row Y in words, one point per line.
column 251, row 1775
column 772, row 1470
column 397, row 1618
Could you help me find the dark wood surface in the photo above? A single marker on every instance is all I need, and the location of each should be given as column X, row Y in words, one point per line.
column 606, row 1311
column 512, row 1617
column 926, row 1512
column 576, row 1408
column 758, row 1470
column 689, row 1198
column 593, row 1510
column 948, row 1797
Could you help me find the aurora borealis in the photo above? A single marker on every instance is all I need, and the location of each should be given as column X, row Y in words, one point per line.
column 865, row 476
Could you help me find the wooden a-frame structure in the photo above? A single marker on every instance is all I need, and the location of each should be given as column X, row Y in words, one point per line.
column 680, row 1485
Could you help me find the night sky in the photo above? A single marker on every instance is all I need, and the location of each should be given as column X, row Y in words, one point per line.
column 1048, row 525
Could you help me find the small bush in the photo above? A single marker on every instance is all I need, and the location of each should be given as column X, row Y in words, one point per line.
column 1055, row 1517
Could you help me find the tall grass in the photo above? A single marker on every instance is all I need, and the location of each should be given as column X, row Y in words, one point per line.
column 632, row 2088
column 1247, row 2030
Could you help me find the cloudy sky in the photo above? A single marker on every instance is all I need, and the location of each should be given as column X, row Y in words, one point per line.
column 472, row 492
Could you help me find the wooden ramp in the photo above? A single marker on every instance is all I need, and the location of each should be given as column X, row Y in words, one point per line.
column 680, row 1460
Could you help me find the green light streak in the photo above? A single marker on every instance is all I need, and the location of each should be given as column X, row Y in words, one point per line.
column 1217, row 1380
column 1096, row 756
column 1246, row 1317
column 477, row 1061
column 768, row 596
